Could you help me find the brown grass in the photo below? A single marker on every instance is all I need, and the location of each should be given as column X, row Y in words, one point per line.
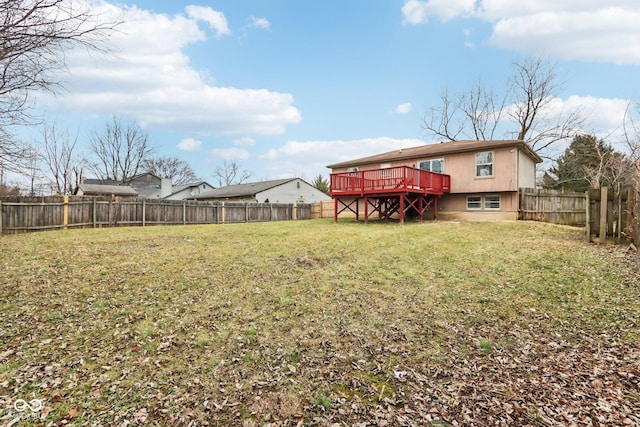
column 317, row 323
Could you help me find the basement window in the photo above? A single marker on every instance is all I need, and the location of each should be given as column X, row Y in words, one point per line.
column 492, row 202
column 474, row 203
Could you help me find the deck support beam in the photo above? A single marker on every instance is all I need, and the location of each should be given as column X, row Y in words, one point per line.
column 345, row 206
column 386, row 206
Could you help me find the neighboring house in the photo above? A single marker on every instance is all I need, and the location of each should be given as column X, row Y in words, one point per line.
column 189, row 191
column 290, row 190
column 85, row 189
column 150, row 186
column 485, row 175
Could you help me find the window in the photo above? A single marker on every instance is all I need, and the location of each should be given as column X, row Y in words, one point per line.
column 436, row 165
column 474, row 202
column 385, row 172
column 488, row 203
column 484, row 164
column 492, row 202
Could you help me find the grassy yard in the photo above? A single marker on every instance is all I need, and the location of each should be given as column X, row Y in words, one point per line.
column 316, row 323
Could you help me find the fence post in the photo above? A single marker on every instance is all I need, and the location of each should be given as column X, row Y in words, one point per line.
column 619, row 228
column 65, row 212
column 587, row 225
column 184, row 212
column 223, row 212
column 294, row 216
column 94, row 213
column 144, row 212
column 603, row 213
column 0, row 217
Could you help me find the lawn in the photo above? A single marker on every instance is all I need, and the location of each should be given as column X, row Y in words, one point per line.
column 316, row 323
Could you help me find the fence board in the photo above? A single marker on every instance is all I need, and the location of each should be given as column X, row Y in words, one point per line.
column 577, row 209
column 554, row 206
column 23, row 214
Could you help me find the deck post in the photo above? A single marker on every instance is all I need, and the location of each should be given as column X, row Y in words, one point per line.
column 335, row 209
column 366, row 209
column 435, row 208
column 401, row 209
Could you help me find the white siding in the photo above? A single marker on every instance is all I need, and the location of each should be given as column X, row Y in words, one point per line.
column 526, row 171
column 292, row 192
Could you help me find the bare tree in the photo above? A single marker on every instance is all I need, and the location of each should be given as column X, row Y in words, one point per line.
column 533, row 87
column 171, row 167
column 483, row 109
column 631, row 128
column 34, row 36
column 120, row 150
column 31, row 170
column 57, row 151
column 230, row 173
column 445, row 121
column 524, row 105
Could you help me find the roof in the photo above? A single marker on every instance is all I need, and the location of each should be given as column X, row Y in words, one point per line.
column 443, row 148
column 178, row 188
column 118, row 190
column 242, row 190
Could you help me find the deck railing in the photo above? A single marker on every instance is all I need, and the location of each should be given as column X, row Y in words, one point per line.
column 399, row 179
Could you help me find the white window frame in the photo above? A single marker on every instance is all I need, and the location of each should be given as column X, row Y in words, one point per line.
column 487, row 201
column 485, row 165
column 430, row 162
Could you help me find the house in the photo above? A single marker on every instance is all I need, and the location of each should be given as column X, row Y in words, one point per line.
column 484, row 175
column 150, row 186
column 289, row 190
column 188, row 191
column 85, row 189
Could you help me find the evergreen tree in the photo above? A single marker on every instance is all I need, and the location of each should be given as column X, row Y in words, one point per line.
column 587, row 163
column 321, row 184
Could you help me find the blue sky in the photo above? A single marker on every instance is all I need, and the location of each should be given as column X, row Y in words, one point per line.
column 286, row 87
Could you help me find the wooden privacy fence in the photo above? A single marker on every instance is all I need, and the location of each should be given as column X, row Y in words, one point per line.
column 602, row 211
column 23, row 214
column 554, row 206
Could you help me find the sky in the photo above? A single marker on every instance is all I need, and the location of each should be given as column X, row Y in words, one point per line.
column 286, row 87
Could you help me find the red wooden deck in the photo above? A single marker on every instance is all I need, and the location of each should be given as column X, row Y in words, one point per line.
column 388, row 191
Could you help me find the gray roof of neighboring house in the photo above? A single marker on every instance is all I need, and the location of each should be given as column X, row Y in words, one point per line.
column 242, row 190
column 178, row 188
column 441, row 149
column 118, row 190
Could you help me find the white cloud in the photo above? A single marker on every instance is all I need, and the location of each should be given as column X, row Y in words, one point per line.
column 404, row 108
column 259, row 23
column 231, row 153
column 189, row 144
column 310, row 158
column 419, row 11
column 215, row 19
column 588, row 30
column 148, row 78
column 244, row 142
